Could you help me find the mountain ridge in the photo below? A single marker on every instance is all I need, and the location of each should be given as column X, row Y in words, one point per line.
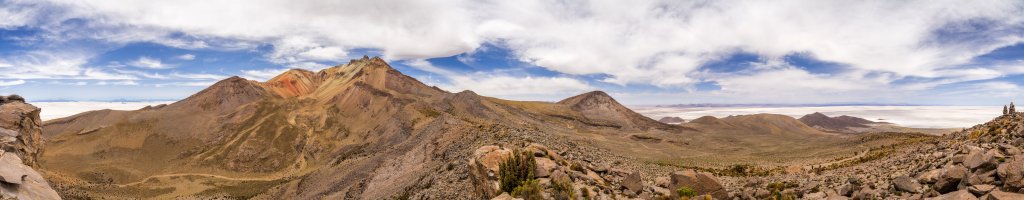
column 363, row 130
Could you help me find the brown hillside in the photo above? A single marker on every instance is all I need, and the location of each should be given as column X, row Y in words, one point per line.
column 364, row 130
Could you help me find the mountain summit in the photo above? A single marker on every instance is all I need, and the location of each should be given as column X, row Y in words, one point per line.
column 600, row 107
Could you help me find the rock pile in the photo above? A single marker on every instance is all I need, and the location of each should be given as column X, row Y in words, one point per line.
column 587, row 181
column 983, row 162
column 20, row 146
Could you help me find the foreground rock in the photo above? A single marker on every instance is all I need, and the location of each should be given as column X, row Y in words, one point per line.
column 585, row 180
column 20, row 146
column 701, row 183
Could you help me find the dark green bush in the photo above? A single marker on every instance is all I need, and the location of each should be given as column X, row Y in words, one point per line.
column 517, row 170
column 529, row 190
column 686, row 192
column 563, row 190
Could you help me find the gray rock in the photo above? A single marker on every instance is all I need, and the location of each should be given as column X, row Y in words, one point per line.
column 702, row 183
column 544, row 167
column 929, row 176
column 866, row 193
column 1012, row 173
column 981, row 189
column 950, row 178
column 982, row 177
column 958, row 195
column 1000, row 195
column 633, row 183
column 980, row 160
column 906, row 184
column 21, row 181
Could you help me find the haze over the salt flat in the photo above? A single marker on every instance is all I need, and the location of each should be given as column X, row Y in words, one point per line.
column 54, row 110
column 909, row 116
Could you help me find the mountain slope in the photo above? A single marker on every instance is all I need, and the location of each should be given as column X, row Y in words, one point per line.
column 363, row 130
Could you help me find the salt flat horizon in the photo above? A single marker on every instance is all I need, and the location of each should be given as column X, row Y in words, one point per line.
column 908, row 116
column 58, row 109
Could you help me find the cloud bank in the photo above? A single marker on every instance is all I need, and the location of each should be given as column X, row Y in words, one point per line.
column 879, row 47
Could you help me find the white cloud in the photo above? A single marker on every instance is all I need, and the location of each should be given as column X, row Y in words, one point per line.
column 11, row 83
column 127, row 82
column 187, row 84
column 149, row 63
column 186, row 57
column 517, row 87
column 507, row 86
column 54, row 65
column 262, row 74
column 657, row 42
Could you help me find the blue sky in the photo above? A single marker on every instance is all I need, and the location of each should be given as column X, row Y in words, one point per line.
column 647, row 52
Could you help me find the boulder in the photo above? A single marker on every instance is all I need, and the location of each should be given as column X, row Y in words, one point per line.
column 958, row 195
column 906, row 184
column 957, row 159
column 1000, row 195
column 633, row 183
column 21, row 181
column 601, row 168
column 929, row 177
column 544, row 167
column 701, row 183
column 979, row 160
column 538, row 150
column 982, row 177
column 950, row 178
column 866, row 193
column 490, row 156
column 981, row 189
column 484, row 168
column 662, row 181
column 1012, row 173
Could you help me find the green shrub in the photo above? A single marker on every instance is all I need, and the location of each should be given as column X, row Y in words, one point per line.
column 564, row 191
column 686, row 192
column 529, row 190
column 517, row 170
column 577, row 167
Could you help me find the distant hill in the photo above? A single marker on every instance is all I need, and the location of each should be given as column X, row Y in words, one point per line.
column 840, row 124
column 671, row 120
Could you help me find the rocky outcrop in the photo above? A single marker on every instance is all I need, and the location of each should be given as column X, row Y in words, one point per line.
column 585, row 180
column 20, row 131
column 20, row 147
column 982, row 162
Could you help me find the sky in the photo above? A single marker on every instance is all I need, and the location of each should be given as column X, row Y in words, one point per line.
column 644, row 52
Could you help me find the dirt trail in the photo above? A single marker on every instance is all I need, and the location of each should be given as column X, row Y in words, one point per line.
column 203, row 175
